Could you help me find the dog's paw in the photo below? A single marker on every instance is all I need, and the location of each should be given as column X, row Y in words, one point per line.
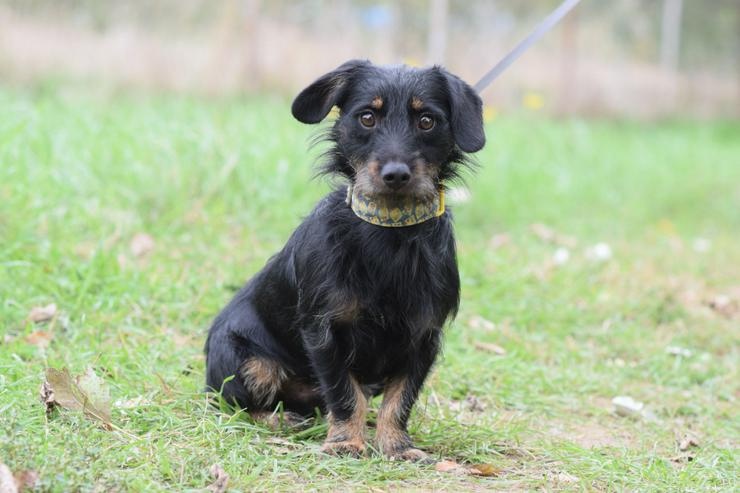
column 411, row 454
column 351, row 448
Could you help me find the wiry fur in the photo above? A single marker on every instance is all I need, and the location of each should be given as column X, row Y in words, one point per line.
column 347, row 308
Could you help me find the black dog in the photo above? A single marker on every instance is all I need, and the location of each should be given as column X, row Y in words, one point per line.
column 354, row 304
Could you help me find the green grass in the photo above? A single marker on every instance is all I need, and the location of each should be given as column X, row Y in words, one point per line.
column 220, row 184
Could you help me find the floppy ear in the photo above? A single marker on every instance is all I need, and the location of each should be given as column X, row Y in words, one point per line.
column 316, row 101
column 466, row 114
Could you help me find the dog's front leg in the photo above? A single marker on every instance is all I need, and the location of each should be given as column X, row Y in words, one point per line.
column 345, row 401
column 399, row 396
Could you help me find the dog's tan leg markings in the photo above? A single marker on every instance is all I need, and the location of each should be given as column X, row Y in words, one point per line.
column 347, row 437
column 263, row 378
column 391, row 436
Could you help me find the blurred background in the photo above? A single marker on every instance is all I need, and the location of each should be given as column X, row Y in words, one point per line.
column 631, row 58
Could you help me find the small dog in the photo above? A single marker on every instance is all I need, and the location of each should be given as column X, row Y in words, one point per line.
column 354, row 304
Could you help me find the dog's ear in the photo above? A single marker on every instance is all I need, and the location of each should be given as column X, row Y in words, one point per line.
column 466, row 113
column 316, row 101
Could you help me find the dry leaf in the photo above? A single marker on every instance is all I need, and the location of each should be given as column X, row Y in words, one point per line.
column 484, row 470
column 450, row 466
column 500, row 240
column 87, row 393
column 42, row 313
column 682, row 459
column 26, row 480
column 7, row 481
column 564, row 477
column 478, row 322
column 542, row 232
column 132, row 403
column 724, row 305
column 549, row 235
column 165, row 387
column 687, row 442
column 141, row 244
column 471, row 403
column 678, row 351
column 39, row 338
column 490, row 347
column 220, row 479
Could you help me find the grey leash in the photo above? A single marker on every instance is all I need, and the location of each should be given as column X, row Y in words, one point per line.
column 544, row 26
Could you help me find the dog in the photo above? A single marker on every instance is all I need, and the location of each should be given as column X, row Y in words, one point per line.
column 354, row 304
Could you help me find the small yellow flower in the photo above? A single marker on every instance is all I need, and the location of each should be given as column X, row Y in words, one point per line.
column 489, row 114
column 666, row 226
column 533, row 101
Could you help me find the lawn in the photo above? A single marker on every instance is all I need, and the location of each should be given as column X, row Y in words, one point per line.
column 598, row 259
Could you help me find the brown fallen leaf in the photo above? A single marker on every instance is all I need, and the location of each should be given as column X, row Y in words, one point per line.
column 7, row 481
column 484, row 470
column 564, row 477
column 724, row 305
column 39, row 338
column 220, row 479
column 549, row 235
column 490, row 347
column 471, row 403
column 40, row 314
column 478, row 322
column 134, row 403
column 141, row 244
column 687, row 442
column 87, row 393
column 683, row 459
column 165, row 387
column 26, row 480
column 499, row 241
column 451, row 467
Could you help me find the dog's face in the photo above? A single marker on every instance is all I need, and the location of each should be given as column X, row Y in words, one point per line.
column 400, row 130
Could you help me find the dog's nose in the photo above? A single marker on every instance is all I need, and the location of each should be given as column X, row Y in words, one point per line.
column 395, row 175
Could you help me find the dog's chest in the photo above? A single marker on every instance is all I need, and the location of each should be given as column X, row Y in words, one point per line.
column 410, row 286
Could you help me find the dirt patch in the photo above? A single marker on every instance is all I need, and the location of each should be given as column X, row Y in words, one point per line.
column 591, row 434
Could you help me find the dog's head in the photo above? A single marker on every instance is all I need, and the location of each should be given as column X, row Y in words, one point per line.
column 400, row 130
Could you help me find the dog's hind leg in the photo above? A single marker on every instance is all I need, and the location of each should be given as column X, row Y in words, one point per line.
column 223, row 361
column 251, row 381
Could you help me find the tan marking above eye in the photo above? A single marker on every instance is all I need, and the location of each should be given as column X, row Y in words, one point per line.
column 417, row 103
column 377, row 103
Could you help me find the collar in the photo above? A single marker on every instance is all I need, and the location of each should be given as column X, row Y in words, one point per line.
column 406, row 211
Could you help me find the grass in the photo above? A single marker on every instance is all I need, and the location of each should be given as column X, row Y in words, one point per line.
column 220, row 184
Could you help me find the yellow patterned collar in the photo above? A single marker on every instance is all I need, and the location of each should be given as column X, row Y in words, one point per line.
column 405, row 211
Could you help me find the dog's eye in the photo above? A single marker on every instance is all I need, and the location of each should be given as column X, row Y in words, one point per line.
column 367, row 119
column 426, row 122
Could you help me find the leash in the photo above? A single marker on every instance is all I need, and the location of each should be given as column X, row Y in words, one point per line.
column 549, row 22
